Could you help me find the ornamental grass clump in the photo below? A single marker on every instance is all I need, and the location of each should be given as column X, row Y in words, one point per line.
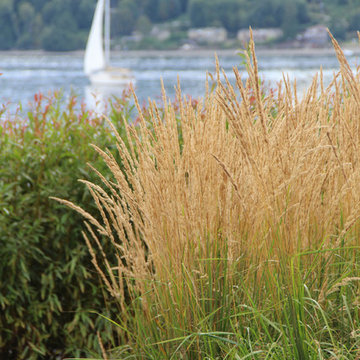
column 235, row 224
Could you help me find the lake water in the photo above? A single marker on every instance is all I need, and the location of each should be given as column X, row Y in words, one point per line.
column 24, row 74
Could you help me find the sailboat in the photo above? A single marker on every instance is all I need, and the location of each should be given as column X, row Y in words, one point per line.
column 97, row 53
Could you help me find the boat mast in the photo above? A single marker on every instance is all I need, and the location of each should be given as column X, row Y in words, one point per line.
column 107, row 32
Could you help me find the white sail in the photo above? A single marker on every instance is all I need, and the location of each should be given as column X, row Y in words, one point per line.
column 94, row 53
column 97, row 53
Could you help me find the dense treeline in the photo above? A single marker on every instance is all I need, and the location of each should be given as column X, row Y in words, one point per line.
column 52, row 25
column 64, row 24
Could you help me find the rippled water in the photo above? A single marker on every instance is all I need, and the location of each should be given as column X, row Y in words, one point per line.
column 25, row 74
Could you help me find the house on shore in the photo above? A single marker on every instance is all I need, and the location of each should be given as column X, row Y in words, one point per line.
column 209, row 35
column 263, row 35
column 314, row 36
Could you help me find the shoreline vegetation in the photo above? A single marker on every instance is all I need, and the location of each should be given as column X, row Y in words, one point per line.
column 224, row 227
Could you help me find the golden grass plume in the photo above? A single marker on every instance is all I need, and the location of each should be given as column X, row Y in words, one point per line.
column 267, row 172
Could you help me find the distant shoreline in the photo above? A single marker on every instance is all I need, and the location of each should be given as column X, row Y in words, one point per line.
column 355, row 50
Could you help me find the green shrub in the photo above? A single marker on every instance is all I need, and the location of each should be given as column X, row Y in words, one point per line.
column 47, row 284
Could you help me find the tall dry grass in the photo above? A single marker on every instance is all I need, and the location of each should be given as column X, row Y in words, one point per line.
column 246, row 178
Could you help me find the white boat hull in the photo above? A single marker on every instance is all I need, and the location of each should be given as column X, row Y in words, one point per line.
column 112, row 77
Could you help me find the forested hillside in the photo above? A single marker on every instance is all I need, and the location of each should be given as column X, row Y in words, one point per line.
column 64, row 24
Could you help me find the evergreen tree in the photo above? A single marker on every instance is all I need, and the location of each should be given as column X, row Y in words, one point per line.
column 61, row 32
column 290, row 24
column 85, row 13
column 184, row 5
column 151, row 9
column 200, row 13
column 228, row 14
column 38, row 4
column 124, row 18
column 7, row 25
column 168, row 9
column 27, row 26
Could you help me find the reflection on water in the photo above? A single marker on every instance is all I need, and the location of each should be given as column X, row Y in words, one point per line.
column 96, row 96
